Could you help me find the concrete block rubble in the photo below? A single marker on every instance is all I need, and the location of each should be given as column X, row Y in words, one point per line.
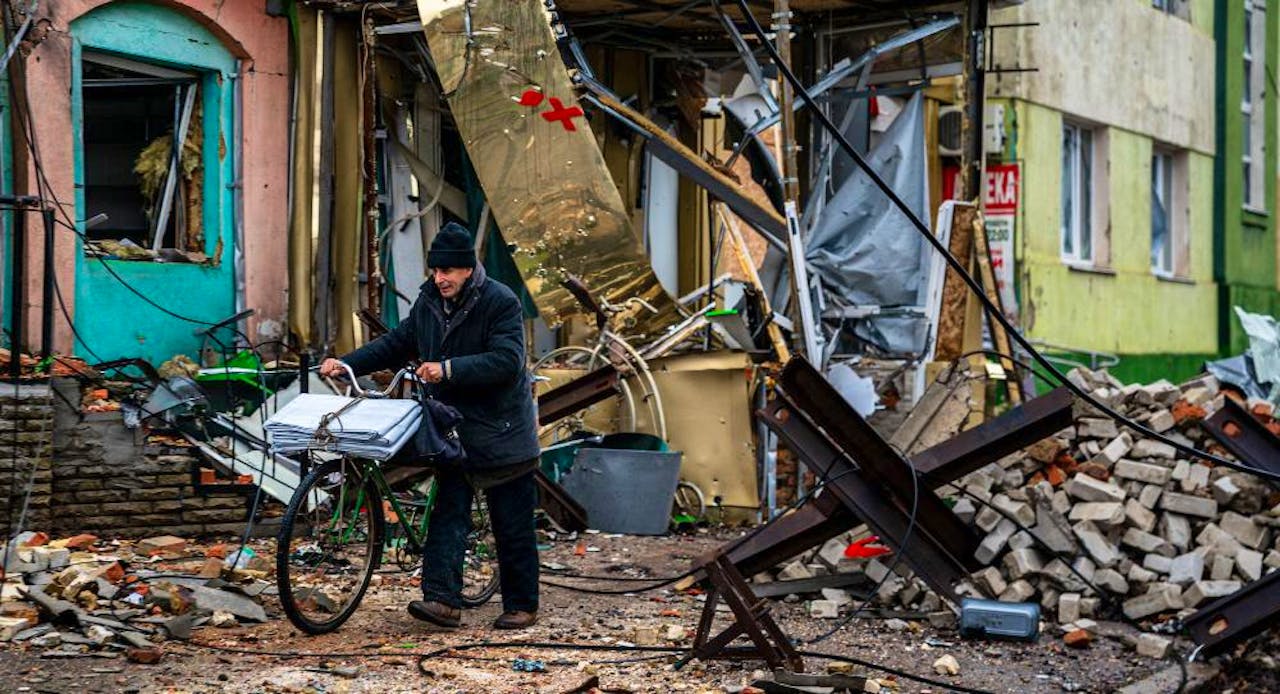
column 80, row 596
column 1157, row 534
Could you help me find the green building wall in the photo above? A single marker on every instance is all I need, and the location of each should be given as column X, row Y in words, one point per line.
column 1245, row 240
column 1159, row 328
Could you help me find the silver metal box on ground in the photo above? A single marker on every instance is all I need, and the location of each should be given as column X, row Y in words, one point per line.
column 994, row 619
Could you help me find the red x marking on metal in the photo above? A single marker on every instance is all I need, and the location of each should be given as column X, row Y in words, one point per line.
column 558, row 112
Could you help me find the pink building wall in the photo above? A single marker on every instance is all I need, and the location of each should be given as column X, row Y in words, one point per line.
column 247, row 32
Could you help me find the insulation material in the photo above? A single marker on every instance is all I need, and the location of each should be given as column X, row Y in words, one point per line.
column 536, row 157
column 348, row 163
column 706, row 399
column 865, row 250
column 303, row 178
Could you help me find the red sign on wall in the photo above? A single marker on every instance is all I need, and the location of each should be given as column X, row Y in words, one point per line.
column 999, row 195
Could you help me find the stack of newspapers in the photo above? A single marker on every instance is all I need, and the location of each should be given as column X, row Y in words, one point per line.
column 367, row 428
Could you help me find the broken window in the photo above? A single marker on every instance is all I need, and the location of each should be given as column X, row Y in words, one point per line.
column 1252, row 95
column 150, row 191
column 1077, row 193
column 1162, row 213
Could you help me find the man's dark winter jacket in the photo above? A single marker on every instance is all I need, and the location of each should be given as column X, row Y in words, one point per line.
column 481, row 345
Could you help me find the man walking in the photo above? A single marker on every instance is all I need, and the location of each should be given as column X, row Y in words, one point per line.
column 468, row 332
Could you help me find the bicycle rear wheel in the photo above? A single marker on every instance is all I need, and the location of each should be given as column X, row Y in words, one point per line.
column 480, row 566
column 330, row 544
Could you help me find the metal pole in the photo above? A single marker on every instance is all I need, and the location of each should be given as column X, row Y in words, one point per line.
column 782, row 35
column 16, row 313
column 975, row 97
column 46, row 307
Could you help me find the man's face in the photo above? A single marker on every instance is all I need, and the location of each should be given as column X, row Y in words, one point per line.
column 449, row 280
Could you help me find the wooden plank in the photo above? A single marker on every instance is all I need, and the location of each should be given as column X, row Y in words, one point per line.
column 951, row 319
column 982, row 255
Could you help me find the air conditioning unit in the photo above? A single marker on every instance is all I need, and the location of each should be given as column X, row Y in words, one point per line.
column 951, row 125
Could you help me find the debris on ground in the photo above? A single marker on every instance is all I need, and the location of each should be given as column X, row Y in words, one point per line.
column 80, row 595
column 1157, row 533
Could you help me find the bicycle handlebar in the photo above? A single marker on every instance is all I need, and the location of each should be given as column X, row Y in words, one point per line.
column 405, row 373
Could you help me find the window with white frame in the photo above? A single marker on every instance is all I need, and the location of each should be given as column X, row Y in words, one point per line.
column 1162, row 212
column 1252, row 105
column 1170, row 214
column 1077, row 193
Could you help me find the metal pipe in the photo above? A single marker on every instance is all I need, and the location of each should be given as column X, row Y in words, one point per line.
column 19, row 298
column 973, row 158
column 46, row 306
column 237, row 192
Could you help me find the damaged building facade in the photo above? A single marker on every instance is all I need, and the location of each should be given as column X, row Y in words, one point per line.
column 636, row 149
column 141, row 234
column 1101, row 240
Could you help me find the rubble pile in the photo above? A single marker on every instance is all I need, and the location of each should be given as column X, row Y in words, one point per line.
column 1157, row 533
column 80, row 596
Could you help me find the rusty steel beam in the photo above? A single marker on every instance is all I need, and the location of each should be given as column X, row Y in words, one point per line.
column 584, row 391
column 810, row 393
column 823, row 517
column 812, row 523
column 1012, row 431
column 1229, row 620
column 561, row 507
column 1248, row 440
column 868, row 499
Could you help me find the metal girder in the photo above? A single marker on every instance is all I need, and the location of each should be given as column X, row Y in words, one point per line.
column 809, row 392
column 687, row 163
column 814, row 522
column 1247, row 439
column 823, row 517
column 1226, row 621
column 922, row 551
column 561, row 507
column 845, row 69
column 584, row 391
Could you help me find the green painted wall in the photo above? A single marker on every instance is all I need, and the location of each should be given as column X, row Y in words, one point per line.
column 1127, row 310
column 1245, row 240
column 115, row 321
column 1201, row 15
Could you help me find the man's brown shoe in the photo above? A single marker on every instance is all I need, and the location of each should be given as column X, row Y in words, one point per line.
column 515, row 620
column 437, row 613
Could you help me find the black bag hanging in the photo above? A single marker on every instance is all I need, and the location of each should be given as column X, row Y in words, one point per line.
column 437, row 440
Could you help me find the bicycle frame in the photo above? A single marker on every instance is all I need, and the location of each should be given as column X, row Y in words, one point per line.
column 372, row 470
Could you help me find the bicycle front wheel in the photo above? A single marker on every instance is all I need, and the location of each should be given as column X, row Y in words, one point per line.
column 330, row 544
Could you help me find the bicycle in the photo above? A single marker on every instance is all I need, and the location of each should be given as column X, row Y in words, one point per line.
column 344, row 516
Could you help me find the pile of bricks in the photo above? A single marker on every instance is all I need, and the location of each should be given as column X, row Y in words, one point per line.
column 1156, row 532
column 1148, row 526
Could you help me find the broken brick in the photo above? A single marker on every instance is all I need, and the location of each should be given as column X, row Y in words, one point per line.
column 144, row 656
column 83, row 541
column 1184, row 411
column 1096, row 471
column 1078, row 638
column 38, row 539
column 164, row 544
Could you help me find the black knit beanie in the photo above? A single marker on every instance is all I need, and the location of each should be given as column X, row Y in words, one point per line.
column 452, row 247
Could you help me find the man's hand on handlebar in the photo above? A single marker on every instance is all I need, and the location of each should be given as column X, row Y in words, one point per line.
column 430, row 371
column 332, row 368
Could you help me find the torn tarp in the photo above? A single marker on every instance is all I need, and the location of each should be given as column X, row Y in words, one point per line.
column 866, row 251
column 1264, row 350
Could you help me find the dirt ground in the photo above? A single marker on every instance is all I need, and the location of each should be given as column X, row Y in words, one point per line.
column 378, row 650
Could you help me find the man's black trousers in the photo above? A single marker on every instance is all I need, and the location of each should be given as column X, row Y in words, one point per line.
column 511, row 506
